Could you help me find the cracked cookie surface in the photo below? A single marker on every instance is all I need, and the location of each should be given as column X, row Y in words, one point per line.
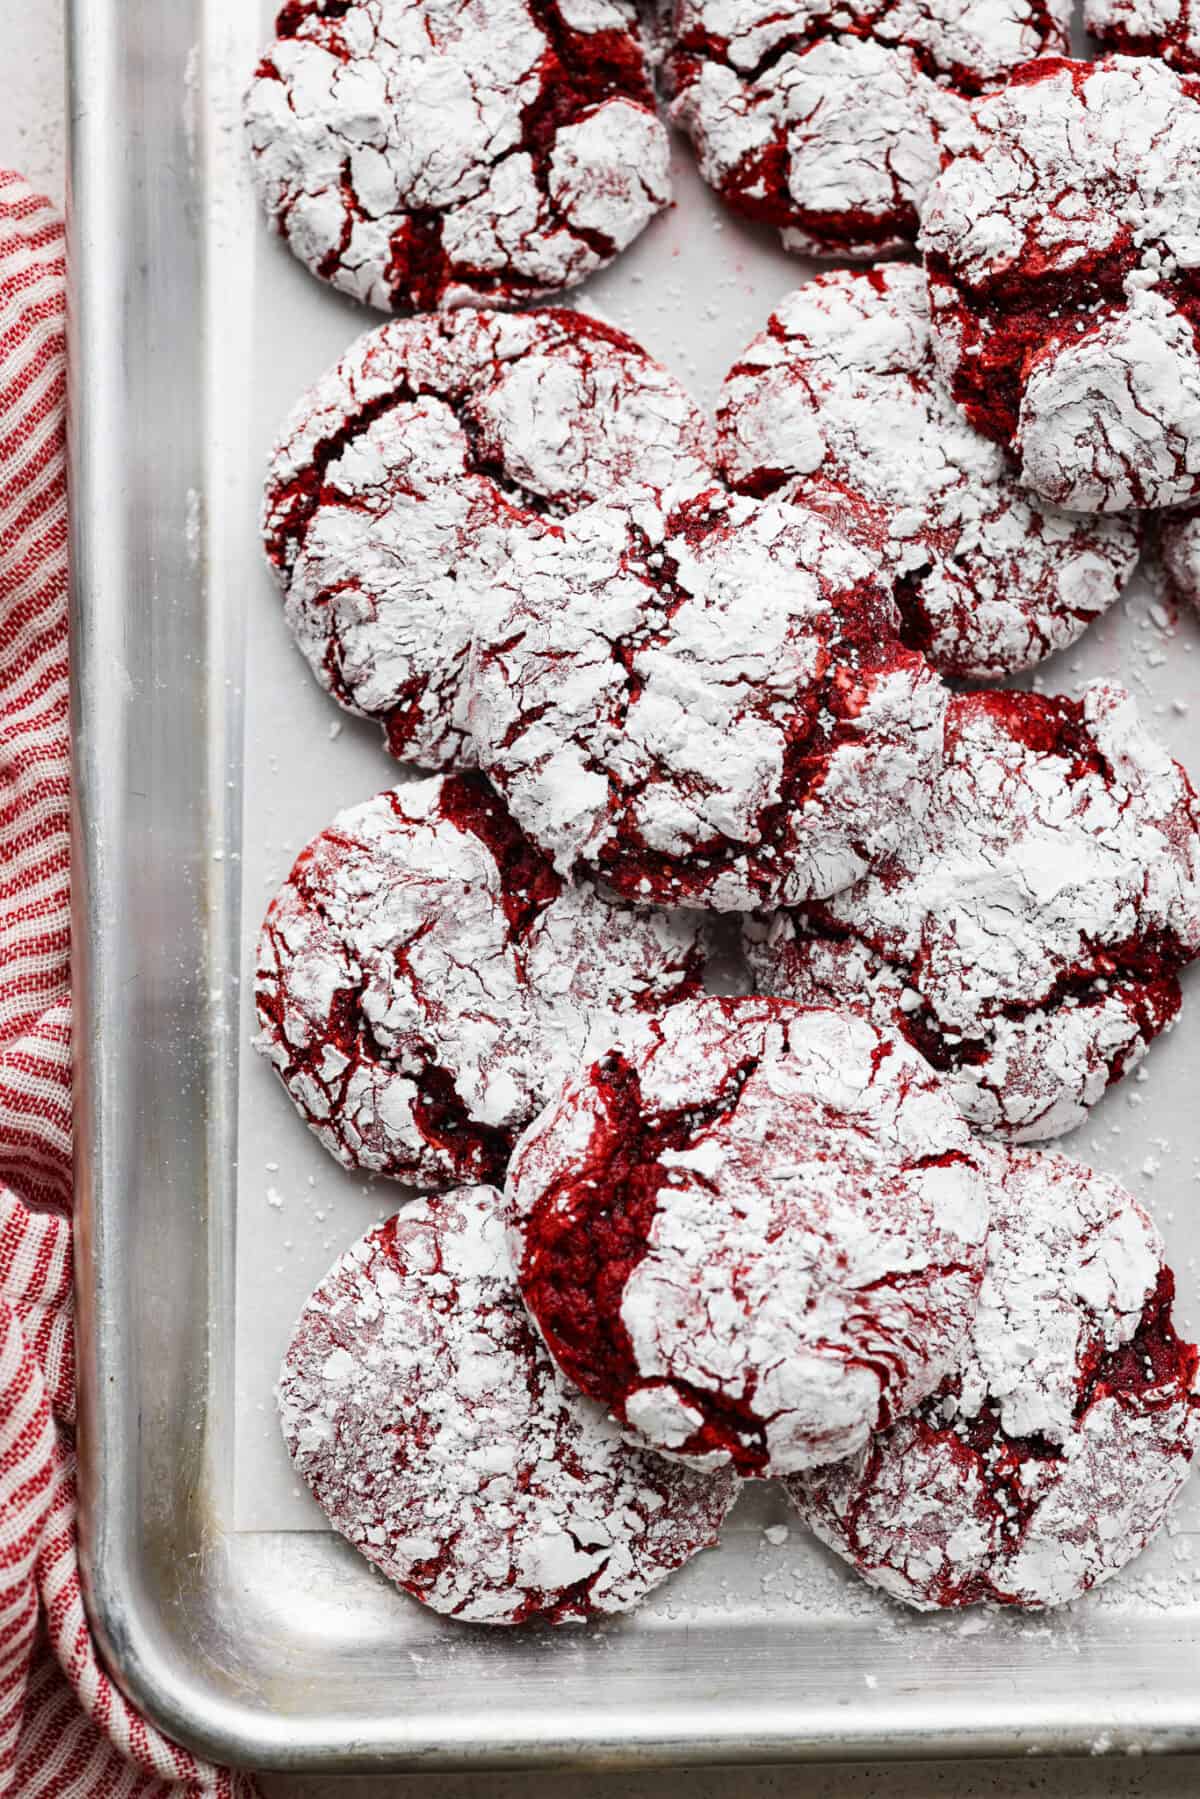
column 827, row 120
column 1169, row 29
column 755, row 1232
column 1029, row 940
column 399, row 475
column 838, row 405
column 705, row 701
column 425, row 979
column 1062, row 248
column 1053, row 1454
column 435, row 1433
column 416, row 153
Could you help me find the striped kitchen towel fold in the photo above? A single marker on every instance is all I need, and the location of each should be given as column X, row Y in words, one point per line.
column 65, row 1730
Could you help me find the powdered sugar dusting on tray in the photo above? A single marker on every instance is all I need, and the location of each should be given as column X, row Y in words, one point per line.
column 838, row 405
column 1030, row 941
column 756, row 1233
column 704, row 699
column 433, row 1429
column 421, row 155
column 1054, row 1453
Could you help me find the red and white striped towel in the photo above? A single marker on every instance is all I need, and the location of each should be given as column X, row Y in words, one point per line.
column 65, row 1730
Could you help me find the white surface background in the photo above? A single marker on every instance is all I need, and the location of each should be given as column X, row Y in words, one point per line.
column 693, row 289
column 31, row 139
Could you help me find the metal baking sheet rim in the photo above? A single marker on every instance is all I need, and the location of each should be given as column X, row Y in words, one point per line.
column 175, row 1604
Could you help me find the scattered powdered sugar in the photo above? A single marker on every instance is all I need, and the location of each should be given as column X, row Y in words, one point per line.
column 1054, row 1453
column 1029, row 941
column 439, row 152
column 839, row 406
column 434, row 1431
column 755, row 1232
column 1169, row 29
column 425, row 980
column 827, row 120
column 1058, row 242
column 397, row 477
column 704, row 699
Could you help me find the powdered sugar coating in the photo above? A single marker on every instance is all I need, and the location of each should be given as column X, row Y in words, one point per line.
column 425, row 980
column 1053, row 1455
column 398, row 477
column 755, row 1233
column 1062, row 243
column 1169, row 29
column 421, row 1409
column 1029, row 941
column 838, row 405
column 704, row 700
column 1124, row 398
column 417, row 153
column 827, row 120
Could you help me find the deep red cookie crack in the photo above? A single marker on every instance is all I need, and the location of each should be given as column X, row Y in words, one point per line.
column 400, row 476
column 758, row 187
column 425, row 1416
column 529, row 885
column 1052, row 1453
column 1030, row 943
column 468, row 976
column 292, row 502
column 820, row 721
column 762, row 623
column 828, row 122
column 1033, row 306
column 578, row 72
column 1122, row 27
column 1146, row 1375
column 706, row 1254
column 589, row 1232
column 838, row 404
column 705, row 45
column 1143, row 971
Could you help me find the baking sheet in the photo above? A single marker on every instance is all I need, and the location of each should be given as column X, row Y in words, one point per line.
column 694, row 289
column 280, row 1647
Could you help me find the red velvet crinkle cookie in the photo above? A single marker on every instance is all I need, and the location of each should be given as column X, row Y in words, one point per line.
column 399, row 474
column 1062, row 246
column 425, row 980
column 827, row 120
column 1179, row 551
column 1169, row 29
column 1054, row 1453
column 705, row 701
column 435, row 1433
column 839, row 406
column 1029, row 940
column 755, row 1233
column 417, row 153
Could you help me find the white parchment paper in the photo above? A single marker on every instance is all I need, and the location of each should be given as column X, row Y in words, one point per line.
column 694, row 289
